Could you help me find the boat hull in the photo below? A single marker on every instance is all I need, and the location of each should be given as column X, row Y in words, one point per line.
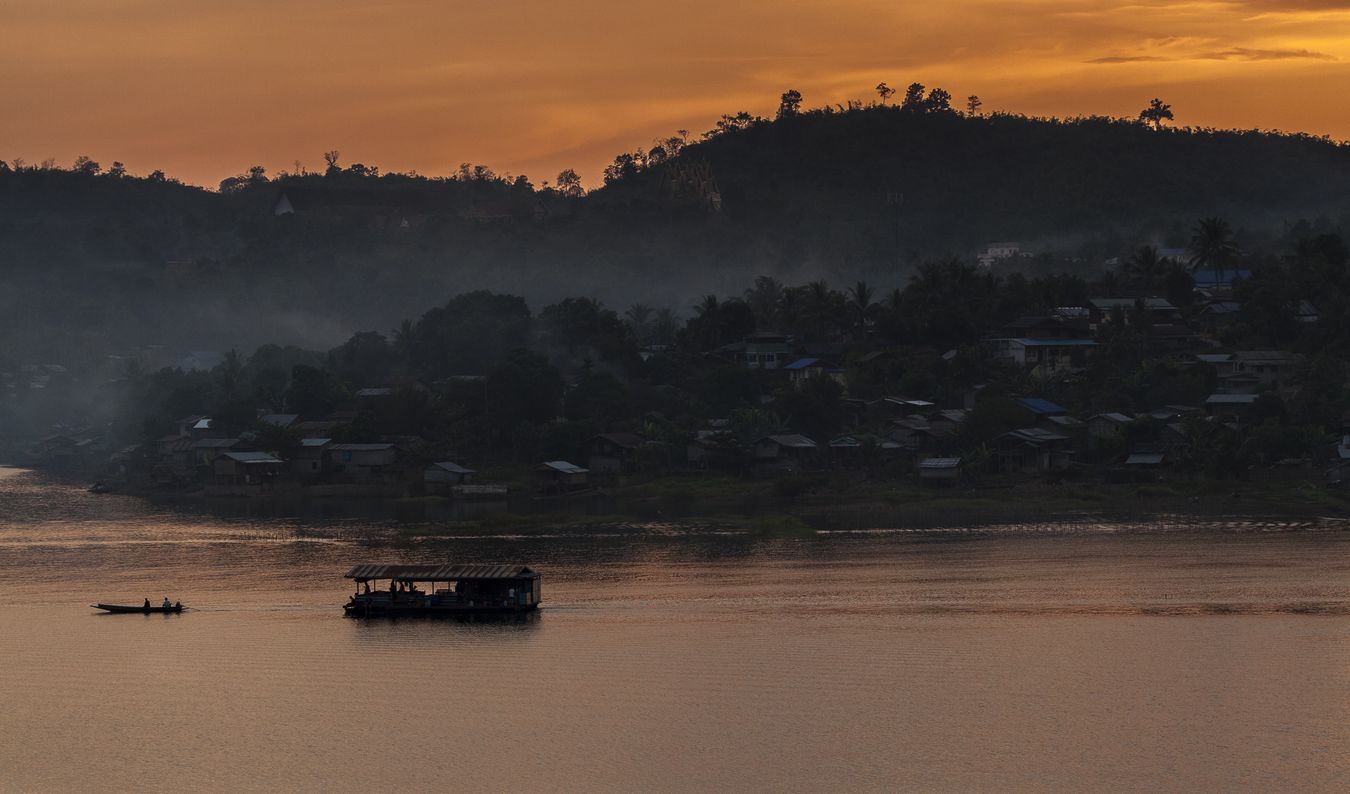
column 378, row 610
column 129, row 609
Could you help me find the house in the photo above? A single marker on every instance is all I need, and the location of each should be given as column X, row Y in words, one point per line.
column 853, row 449
column 1231, row 407
column 786, row 450
column 559, row 475
column 761, row 350
column 1039, row 407
column 1155, row 310
column 1223, row 364
column 206, row 450
column 363, row 462
column 803, row 369
column 309, row 460
column 444, row 476
column 997, row 252
column 1044, row 357
column 1031, row 449
column 940, row 469
column 279, row 420
column 614, row 453
column 1273, row 368
column 1172, row 336
column 246, row 468
column 1045, row 327
column 1106, row 426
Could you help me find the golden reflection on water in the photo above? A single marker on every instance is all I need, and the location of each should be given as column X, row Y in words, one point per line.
column 1081, row 660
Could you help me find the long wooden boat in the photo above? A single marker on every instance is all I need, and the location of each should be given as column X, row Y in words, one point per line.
column 142, row 609
column 451, row 590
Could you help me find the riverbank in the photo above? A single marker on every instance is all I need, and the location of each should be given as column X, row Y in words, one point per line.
column 769, row 507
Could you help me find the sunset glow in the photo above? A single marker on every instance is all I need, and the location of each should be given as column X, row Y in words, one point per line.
column 203, row 90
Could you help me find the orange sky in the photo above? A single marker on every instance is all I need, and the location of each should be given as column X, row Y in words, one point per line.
column 205, row 88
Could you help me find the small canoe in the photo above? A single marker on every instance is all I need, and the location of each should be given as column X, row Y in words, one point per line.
column 144, row 610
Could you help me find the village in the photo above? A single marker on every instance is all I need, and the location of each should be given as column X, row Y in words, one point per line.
column 1035, row 399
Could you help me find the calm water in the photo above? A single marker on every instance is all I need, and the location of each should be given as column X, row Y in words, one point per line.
column 1173, row 656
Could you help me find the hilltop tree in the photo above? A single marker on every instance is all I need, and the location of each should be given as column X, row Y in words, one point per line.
column 973, row 104
column 914, row 97
column 1212, row 246
column 885, row 92
column 862, row 306
column 939, row 99
column 790, row 103
column 84, row 165
column 1156, row 113
column 569, row 184
column 331, row 158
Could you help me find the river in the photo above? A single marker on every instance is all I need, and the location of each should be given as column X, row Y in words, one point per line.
column 1173, row 655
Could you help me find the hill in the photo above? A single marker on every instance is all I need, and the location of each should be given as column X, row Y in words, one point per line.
column 96, row 261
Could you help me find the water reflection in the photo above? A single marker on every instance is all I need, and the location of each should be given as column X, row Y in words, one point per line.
column 1182, row 654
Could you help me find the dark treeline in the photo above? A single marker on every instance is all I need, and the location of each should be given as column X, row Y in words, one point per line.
column 99, row 261
column 485, row 378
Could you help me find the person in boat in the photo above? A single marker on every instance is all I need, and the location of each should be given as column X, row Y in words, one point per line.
column 167, row 603
column 147, row 604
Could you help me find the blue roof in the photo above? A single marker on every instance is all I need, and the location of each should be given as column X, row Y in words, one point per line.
column 1208, row 278
column 1039, row 406
column 802, row 363
column 1057, row 342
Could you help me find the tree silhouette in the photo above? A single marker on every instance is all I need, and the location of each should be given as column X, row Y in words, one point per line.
column 569, row 184
column 861, row 305
column 790, row 103
column 939, row 99
column 885, row 92
column 1156, row 113
column 1212, row 247
column 973, row 104
column 1146, row 269
column 913, row 99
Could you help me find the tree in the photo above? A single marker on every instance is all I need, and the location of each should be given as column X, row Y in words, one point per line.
column 885, row 92
column 860, row 303
column 914, row 98
column 331, row 158
column 1156, row 113
column 569, row 184
column 312, row 392
column 1146, row 269
column 84, row 165
column 790, row 103
column 117, row 171
column 939, row 100
column 973, row 104
column 1212, row 246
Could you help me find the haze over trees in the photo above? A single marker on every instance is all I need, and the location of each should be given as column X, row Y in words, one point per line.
column 99, row 260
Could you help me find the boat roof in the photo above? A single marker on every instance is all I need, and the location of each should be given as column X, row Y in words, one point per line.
column 439, row 573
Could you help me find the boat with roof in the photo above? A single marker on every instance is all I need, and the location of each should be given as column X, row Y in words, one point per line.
column 442, row 590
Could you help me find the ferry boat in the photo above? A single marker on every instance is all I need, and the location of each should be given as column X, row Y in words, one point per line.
column 442, row 590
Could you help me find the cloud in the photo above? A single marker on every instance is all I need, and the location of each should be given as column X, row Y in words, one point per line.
column 1248, row 54
column 1128, row 59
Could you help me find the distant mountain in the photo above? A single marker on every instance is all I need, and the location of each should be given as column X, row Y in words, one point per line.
column 94, row 263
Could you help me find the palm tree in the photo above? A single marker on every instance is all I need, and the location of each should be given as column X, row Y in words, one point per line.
column 1212, row 246
column 819, row 304
column 861, row 303
column 639, row 315
column 1146, row 268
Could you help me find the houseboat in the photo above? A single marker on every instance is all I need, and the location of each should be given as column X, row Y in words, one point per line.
column 442, row 590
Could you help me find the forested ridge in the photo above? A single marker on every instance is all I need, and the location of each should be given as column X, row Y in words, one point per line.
column 95, row 259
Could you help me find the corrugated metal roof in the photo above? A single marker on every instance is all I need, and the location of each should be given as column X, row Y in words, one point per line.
column 453, row 468
column 360, row 447
column 939, row 463
column 1038, row 405
column 792, row 440
column 1144, row 459
column 251, row 457
column 563, row 466
column 439, row 573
